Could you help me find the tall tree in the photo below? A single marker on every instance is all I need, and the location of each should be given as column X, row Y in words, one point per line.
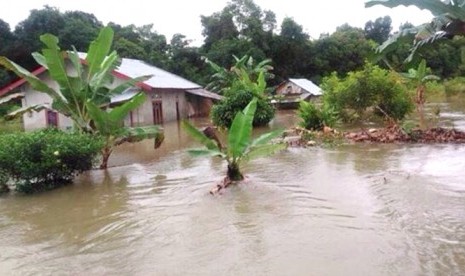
column 378, row 30
column 28, row 31
column 79, row 29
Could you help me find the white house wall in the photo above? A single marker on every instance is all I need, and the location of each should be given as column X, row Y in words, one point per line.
column 38, row 120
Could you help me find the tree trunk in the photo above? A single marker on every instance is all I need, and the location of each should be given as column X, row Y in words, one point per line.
column 420, row 101
column 234, row 173
column 106, row 152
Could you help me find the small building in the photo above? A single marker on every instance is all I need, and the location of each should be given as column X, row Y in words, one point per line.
column 169, row 97
column 289, row 93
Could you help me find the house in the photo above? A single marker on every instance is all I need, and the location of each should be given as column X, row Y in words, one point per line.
column 170, row 97
column 292, row 91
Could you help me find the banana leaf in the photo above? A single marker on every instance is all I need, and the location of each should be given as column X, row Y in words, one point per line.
column 241, row 130
column 264, row 150
column 98, row 51
column 205, row 152
column 199, row 136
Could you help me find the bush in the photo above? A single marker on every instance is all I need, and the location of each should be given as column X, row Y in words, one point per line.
column 372, row 89
column 455, row 86
column 314, row 118
column 224, row 112
column 46, row 159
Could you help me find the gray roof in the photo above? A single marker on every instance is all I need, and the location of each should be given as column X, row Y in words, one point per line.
column 160, row 78
column 204, row 93
column 308, row 86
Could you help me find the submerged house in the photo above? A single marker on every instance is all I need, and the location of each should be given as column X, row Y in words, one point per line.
column 292, row 91
column 169, row 97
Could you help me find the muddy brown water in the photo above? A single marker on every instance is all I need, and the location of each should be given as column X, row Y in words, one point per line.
column 351, row 210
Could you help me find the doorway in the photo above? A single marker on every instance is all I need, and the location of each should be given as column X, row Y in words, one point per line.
column 157, row 112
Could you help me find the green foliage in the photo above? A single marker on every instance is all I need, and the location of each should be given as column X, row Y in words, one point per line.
column 379, row 30
column 46, row 159
column 372, row 89
column 245, row 68
column 240, row 85
column 224, row 112
column 108, row 124
column 10, row 126
column 84, row 90
column 240, row 146
column 448, row 22
column 455, row 86
column 315, row 118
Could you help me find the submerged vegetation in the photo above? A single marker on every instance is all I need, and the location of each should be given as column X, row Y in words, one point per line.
column 354, row 89
column 240, row 146
column 46, row 159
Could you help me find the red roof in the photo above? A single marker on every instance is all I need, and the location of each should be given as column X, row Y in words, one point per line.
column 19, row 82
column 15, row 84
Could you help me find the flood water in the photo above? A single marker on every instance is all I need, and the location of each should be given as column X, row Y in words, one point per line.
column 350, row 210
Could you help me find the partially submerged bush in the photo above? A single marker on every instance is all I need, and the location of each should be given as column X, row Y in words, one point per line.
column 224, row 112
column 46, row 159
column 373, row 89
column 315, row 118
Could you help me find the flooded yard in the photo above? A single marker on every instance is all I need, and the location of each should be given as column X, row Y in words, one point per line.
column 351, row 210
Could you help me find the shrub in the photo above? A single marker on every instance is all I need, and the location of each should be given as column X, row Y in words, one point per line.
column 314, row 118
column 455, row 86
column 224, row 112
column 46, row 159
column 372, row 89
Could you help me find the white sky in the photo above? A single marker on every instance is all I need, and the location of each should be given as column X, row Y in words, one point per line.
column 183, row 16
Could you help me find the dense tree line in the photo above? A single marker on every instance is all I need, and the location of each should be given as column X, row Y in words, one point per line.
column 240, row 28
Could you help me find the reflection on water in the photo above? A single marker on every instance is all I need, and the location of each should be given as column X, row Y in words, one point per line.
column 352, row 210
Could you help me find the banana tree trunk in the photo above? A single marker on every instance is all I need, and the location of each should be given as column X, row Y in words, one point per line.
column 234, row 173
column 420, row 101
column 106, row 152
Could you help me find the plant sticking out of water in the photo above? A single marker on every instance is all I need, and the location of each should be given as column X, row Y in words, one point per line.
column 240, row 146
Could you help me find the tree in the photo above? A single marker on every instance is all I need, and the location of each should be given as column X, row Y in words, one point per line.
column 223, row 79
column 420, row 77
column 379, row 30
column 79, row 30
column 343, row 51
column 448, row 21
column 28, row 31
column 80, row 86
column 218, row 26
column 371, row 89
column 240, row 147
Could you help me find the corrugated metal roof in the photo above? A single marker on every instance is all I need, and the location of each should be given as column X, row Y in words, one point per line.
column 307, row 85
column 205, row 93
column 160, row 78
column 125, row 96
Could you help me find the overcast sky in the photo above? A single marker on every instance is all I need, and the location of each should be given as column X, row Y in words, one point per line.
column 183, row 16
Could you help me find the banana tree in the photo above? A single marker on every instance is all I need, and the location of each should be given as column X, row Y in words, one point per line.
column 80, row 83
column 420, row 77
column 240, row 147
column 448, row 21
column 84, row 89
column 109, row 125
column 223, row 78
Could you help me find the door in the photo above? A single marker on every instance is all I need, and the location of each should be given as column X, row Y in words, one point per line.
column 157, row 113
column 52, row 118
